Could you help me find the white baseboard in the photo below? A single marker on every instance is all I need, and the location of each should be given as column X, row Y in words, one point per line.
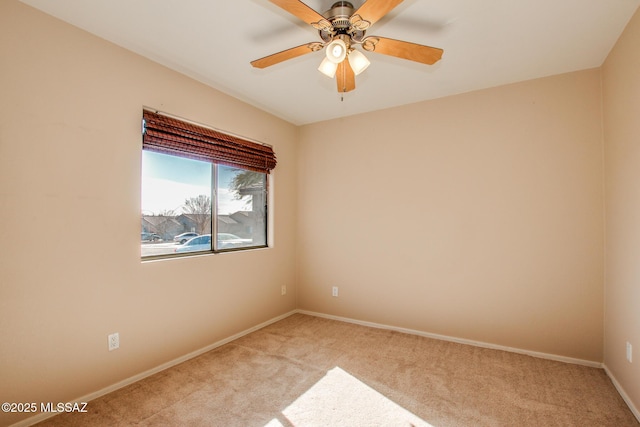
column 623, row 393
column 459, row 340
column 91, row 396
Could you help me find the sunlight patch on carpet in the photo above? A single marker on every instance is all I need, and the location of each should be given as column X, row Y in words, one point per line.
column 340, row 399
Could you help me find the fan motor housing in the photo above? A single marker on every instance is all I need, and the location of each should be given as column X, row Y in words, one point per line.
column 339, row 15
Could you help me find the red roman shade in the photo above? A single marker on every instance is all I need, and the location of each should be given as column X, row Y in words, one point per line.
column 164, row 134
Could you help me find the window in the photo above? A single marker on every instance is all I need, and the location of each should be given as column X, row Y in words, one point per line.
column 198, row 183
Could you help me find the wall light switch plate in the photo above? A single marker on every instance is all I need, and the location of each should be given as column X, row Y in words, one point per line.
column 629, row 352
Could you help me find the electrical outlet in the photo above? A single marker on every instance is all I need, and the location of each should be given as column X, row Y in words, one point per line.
column 283, row 290
column 114, row 341
column 334, row 291
column 629, row 352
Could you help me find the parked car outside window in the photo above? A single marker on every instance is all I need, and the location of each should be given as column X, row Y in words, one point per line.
column 149, row 237
column 203, row 243
column 182, row 238
column 228, row 240
column 199, row 243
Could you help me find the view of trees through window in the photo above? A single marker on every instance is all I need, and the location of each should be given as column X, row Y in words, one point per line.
column 183, row 200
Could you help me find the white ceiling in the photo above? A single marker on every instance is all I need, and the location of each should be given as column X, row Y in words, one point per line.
column 486, row 43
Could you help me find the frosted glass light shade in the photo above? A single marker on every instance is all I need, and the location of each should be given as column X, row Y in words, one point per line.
column 336, row 51
column 328, row 68
column 358, row 61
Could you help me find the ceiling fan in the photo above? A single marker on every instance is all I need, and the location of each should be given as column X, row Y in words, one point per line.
column 341, row 29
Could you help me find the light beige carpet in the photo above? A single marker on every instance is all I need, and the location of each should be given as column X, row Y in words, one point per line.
column 309, row 371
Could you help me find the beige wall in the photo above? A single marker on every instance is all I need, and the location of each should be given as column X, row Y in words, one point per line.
column 70, row 270
column 477, row 216
column 621, row 94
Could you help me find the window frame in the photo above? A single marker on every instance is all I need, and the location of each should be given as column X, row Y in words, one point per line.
column 216, row 163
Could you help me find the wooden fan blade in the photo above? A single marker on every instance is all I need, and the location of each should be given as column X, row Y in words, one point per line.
column 373, row 10
column 405, row 50
column 276, row 58
column 304, row 12
column 345, row 77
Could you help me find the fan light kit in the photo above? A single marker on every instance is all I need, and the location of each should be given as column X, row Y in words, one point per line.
column 341, row 29
column 336, row 51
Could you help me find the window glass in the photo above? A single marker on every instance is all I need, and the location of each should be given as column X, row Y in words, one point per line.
column 241, row 213
column 179, row 206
